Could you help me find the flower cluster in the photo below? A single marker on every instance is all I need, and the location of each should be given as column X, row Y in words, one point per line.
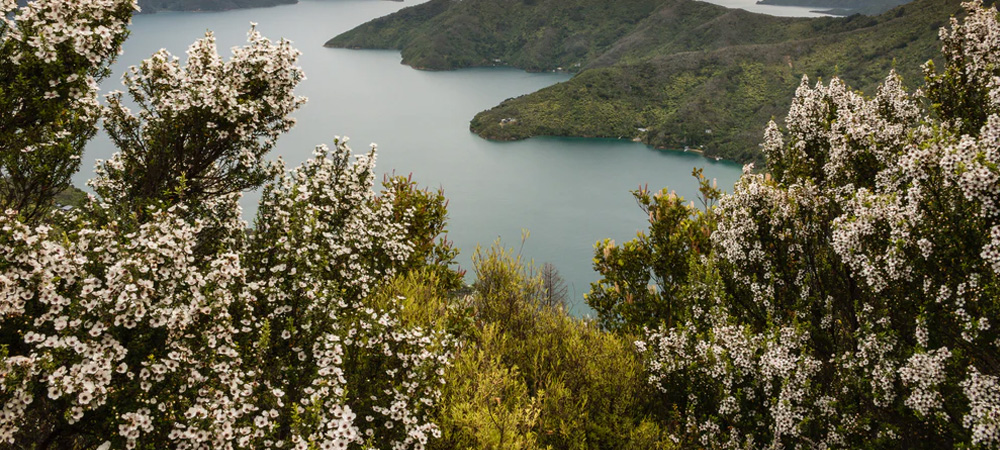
column 747, row 386
column 852, row 292
column 347, row 368
column 147, row 332
column 46, row 29
column 52, row 54
column 126, row 319
column 983, row 418
column 232, row 110
column 152, row 317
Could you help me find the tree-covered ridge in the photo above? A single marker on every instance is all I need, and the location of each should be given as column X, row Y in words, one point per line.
column 687, row 74
column 718, row 98
column 530, row 34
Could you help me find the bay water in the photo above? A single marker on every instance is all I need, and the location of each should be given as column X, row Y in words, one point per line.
column 567, row 192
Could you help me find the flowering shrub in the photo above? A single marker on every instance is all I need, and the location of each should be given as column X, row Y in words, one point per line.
column 232, row 112
column 145, row 335
column 337, row 368
column 152, row 317
column 122, row 333
column 850, row 296
column 52, row 55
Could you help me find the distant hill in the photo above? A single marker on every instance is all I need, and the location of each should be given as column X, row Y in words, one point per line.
column 841, row 7
column 151, row 6
column 671, row 73
column 530, row 34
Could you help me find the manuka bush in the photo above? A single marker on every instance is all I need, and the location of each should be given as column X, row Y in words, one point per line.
column 127, row 333
column 850, row 296
column 152, row 317
column 52, row 55
column 337, row 367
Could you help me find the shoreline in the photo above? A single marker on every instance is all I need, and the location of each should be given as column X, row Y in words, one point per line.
column 697, row 151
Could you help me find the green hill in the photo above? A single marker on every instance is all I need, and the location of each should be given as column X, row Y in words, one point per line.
column 689, row 73
column 531, row 34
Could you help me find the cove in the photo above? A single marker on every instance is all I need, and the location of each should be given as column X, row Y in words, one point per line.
column 568, row 192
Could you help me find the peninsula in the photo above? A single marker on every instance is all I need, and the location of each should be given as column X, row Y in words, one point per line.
column 670, row 73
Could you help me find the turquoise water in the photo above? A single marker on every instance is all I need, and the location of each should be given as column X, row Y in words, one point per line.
column 569, row 193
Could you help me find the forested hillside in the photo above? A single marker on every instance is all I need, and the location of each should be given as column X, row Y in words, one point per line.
column 531, row 34
column 672, row 73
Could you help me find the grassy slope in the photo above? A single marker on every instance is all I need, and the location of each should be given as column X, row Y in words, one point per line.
column 684, row 68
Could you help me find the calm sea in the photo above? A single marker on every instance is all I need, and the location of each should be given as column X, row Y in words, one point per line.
column 569, row 193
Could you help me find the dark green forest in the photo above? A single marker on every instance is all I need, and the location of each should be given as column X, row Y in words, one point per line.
column 671, row 73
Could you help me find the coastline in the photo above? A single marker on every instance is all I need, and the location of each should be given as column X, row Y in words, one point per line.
column 696, row 151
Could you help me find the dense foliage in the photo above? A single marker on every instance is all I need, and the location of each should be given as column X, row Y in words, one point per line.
column 152, row 317
column 530, row 34
column 531, row 377
column 52, row 55
column 844, row 297
column 670, row 73
column 850, row 293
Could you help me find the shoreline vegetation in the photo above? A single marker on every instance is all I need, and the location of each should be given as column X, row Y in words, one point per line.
column 692, row 74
